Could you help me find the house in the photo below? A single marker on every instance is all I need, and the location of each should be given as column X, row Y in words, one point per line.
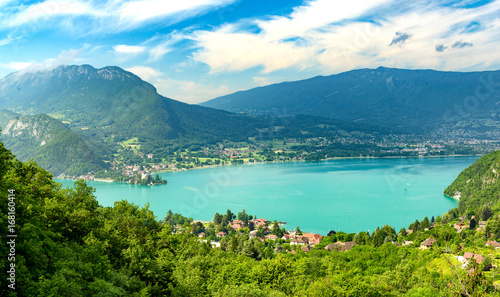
column 493, row 243
column 221, row 234
column 313, row 238
column 406, row 242
column 299, row 241
column 286, row 236
column 253, row 234
column 215, row 244
column 348, row 245
column 236, row 227
column 303, row 240
column 259, row 222
column 344, row 246
column 468, row 256
column 330, row 247
column 271, row 237
column 459, row 227
column 479, row 258
column 201, row 235
column 306, row 249
column 409, row 231
column 427, row 243
column 482, row 224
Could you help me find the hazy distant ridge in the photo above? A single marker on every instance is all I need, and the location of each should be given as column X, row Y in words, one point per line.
column 420, row 100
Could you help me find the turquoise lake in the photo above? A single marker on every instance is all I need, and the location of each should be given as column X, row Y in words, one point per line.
column 350, row 195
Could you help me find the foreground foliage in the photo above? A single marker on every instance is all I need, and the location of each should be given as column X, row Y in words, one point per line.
column 69, row 245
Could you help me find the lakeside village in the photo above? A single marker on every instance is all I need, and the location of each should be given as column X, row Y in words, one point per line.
column 136, row 167
column 240, row 234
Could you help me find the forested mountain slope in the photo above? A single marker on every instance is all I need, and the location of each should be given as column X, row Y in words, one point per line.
column 50, row 143
column 479, row 184
column 414, row 100
column 113, row 102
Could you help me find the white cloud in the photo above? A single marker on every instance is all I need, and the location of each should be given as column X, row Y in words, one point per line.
column 16, row 66
column 189, row 91
column 144, row 10
column 5, row 2
column 161, row 45
column 264, row 80
column 316, row 14
column 145, row 73
column 112, row 16
column 8, row 40
column 226, row 50
column 50, row 9
column 331, row 36
column 66, row 57
column 128, row 49
column 182, row 90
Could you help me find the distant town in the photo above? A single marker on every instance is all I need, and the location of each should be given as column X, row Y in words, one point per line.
column 134, row 166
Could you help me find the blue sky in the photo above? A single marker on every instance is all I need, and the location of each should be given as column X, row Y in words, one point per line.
column 195, row 50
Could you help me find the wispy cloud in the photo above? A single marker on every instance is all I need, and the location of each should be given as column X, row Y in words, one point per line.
column 50, row 9
column 231, row 49
column 161, row 45
column 113, row 16
column 8, row 40
column 337, row 36
column 134, row 13
column 66, row 57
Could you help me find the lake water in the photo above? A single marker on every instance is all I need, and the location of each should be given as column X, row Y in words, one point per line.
column 350, row 195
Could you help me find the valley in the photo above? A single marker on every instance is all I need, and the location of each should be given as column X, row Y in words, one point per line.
column 112, row 125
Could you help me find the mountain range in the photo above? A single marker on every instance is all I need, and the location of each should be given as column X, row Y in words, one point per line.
column 111, row 101
column 75, row 118
column 419, row 101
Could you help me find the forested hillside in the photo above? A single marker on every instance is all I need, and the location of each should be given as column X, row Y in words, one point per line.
column 111, row 102
column 412, row 100
column 53, row 145
column 478, row 185
column 69, row 245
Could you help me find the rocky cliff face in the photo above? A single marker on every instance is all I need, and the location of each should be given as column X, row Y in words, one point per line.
column 49, row 142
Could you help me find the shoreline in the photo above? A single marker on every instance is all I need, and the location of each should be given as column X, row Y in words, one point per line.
column 287, row 161
column 288, row 226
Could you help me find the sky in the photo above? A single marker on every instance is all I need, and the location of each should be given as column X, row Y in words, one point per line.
column 196, row 50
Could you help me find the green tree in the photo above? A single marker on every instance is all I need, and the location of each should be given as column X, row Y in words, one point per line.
column 425, row 224
column 217, row 219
